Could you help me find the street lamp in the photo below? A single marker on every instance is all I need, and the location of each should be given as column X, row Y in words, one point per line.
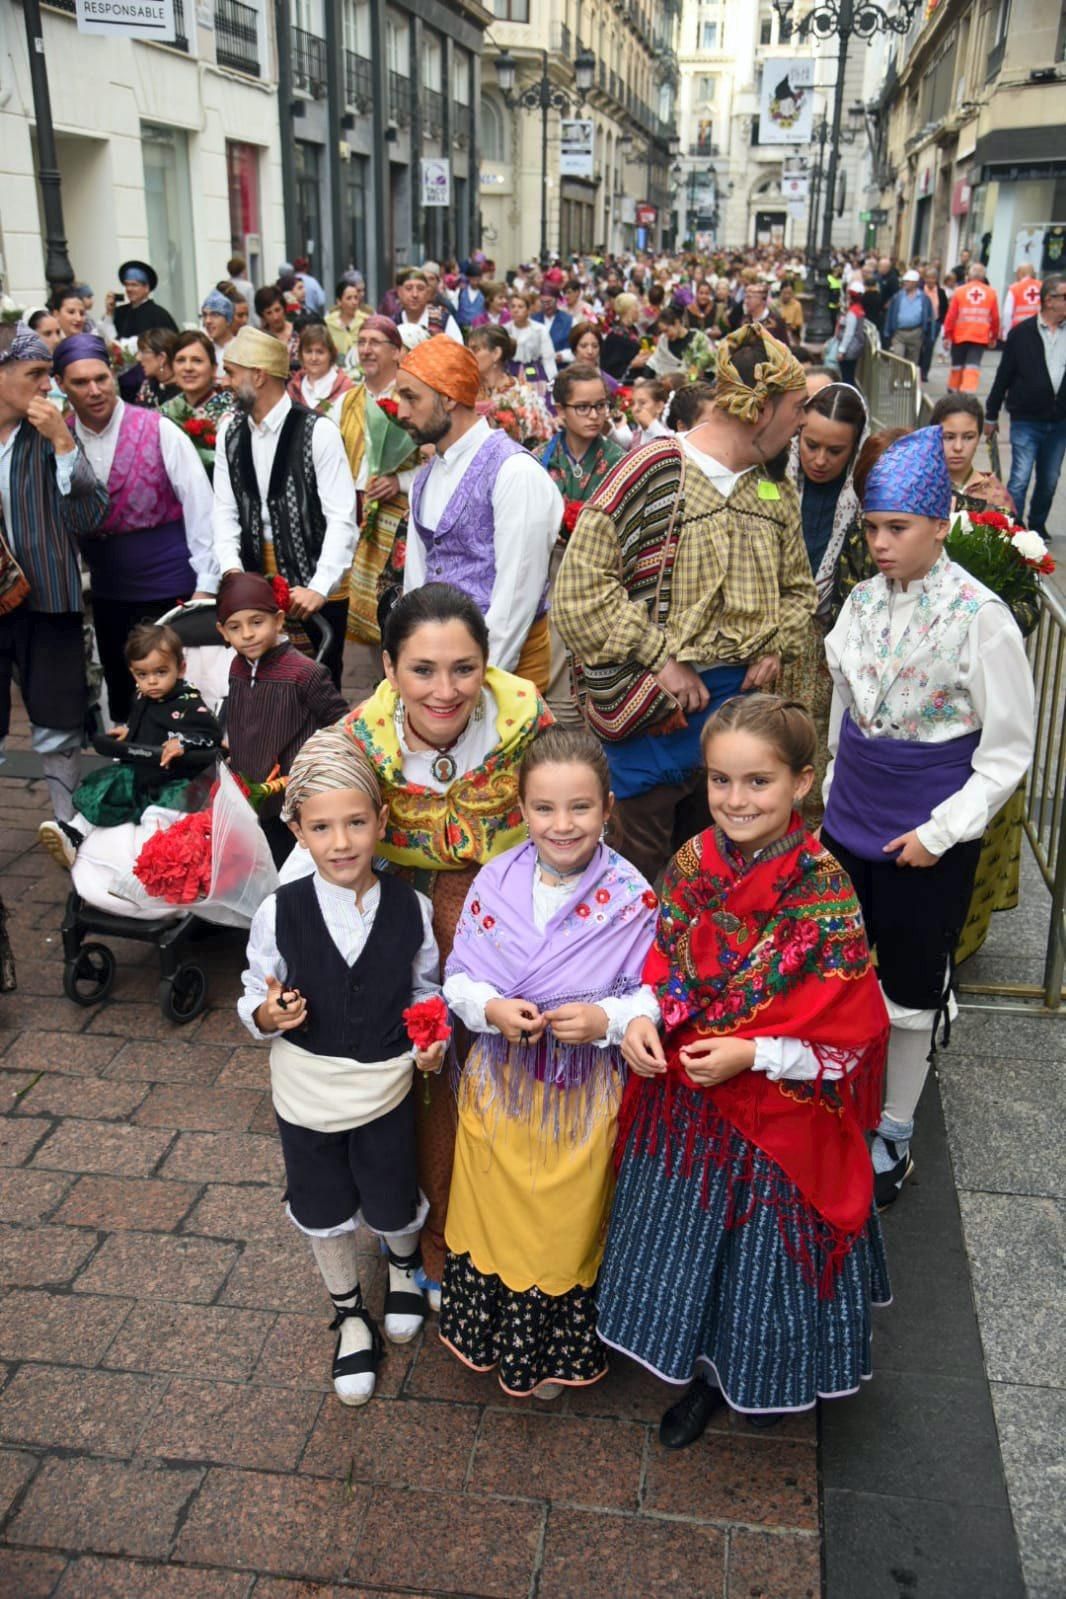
column 545, row 97
column 842, row 20
column 820, row 135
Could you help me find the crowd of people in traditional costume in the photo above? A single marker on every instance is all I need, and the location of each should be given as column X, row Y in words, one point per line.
column 614, row 930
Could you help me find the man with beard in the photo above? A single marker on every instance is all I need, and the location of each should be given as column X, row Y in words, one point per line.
column 284, row 496
column 686, row 581
column 484, row 515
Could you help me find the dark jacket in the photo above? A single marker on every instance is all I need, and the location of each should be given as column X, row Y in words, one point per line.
column 1022, row 379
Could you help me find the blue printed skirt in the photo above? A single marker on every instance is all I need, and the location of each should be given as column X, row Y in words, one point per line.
column 683, row 1294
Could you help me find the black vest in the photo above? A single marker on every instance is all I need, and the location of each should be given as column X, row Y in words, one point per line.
column 297, row 520
column 355, row 1012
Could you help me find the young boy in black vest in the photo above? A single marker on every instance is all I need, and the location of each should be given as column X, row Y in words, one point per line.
column 334, row 959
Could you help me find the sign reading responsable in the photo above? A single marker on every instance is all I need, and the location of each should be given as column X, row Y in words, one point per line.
column 128, row 19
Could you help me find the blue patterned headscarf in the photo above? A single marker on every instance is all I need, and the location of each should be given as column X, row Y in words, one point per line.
column 220, row 304
column 911, row 477
column 25, row 346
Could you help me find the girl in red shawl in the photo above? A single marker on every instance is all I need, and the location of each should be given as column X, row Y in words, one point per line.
column 744, row 1251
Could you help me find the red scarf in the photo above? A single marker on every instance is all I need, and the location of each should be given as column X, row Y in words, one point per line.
column 771, row 949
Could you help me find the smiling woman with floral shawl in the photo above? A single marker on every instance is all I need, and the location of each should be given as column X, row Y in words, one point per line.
column 741, row 1240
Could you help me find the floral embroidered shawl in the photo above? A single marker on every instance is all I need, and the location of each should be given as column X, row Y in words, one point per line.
column 478, row 817
column 774, row 948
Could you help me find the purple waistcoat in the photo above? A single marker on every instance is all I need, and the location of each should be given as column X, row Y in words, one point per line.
column 143, row 554
column 461, row 549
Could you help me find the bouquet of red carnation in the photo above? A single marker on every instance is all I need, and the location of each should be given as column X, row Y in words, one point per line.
column 390, row 408
column 1003, row 555
column 623, row 403
column 175, row 863
column 195, row 426
column 572, row 509
column 428, row 1023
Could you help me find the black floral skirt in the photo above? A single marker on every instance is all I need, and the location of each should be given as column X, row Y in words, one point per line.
column 532, row 1337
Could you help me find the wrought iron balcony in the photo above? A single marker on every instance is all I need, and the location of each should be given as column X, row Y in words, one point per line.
column 358, row 81
column 400, row 99
column 237, row 37
column 309, row 62
column 433, row 120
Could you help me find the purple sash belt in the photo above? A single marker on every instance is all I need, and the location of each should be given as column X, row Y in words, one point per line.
column 148, row 564
column 883, row 787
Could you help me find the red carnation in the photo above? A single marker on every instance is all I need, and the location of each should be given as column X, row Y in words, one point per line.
column 572, row 509
column 991, row 519
column 427, row 1023
column 390, row 408
column 649, row 899
column 209, row 440
column 603, row 896
column 282, row 593
column 175, row 864
column 195, row 426
column 584, row 910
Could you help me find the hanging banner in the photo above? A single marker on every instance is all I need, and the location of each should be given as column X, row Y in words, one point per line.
column 647, row 215
column 786, row 104
column 576, row 147
column 436, row 181
column 127, row 19
column 795, row 186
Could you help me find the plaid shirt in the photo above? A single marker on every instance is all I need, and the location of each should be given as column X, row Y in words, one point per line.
column 741, row 584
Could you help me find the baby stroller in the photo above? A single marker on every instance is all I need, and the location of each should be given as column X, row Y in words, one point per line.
column 92, row 911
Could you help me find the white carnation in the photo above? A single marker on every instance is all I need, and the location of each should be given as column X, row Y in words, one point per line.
column 962, row 523
column 1029, row 545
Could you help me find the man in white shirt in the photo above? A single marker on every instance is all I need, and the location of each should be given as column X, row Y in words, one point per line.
column 420, row 319
column 284, row 496
column 157, row 547
column 484, row 514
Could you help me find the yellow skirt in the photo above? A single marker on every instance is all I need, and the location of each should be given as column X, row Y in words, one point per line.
column 527, row 1205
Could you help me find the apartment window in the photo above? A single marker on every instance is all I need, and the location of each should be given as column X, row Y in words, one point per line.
column 356, row 19
column 432, row 62
column 511, row 10
column 766, row 30
column 709, row 36
column 168, row 203
column 705, row 90
column 397, row 50
column 461, row 78
column 492, row 128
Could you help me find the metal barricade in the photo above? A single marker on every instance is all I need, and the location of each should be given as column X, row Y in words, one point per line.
column 1045, row 799
column 892, row 386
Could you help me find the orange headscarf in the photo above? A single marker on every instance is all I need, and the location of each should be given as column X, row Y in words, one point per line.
column 446, row 366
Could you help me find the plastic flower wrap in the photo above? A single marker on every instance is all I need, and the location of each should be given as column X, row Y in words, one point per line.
column 123, row 353
column 522, row 413
column 1004, row 556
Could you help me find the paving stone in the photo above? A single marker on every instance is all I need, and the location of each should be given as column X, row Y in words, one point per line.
column 61, row 1328
column 1015, row 1246
column 223, row 1026
column 228, row 1211
column 403, row 1443
column 436, row 1374
column 115, row 1148
column 33, row 1256
column 29, row 1574
column 881, row 1547
column 247, row 1067
column 999, row 1130
column 280, row 1588
column 94, row 1578
column 465, row 1545
column 61, row 1015
column 16, row 1468
column 266, row 1522
column 208, row 1340
column 234, row 1425
column 176, row 1062
column 13, row 1084
column 730, row 1478
column 298, row 1352
column 1032, row 1426
column 564, row 1459
column 630, row 1557
column 264, row 1120
column 40, row 1051
column 30, row 1195
column 106, row 1506
column 20, row 1136
column 157, row 1266
column 66, row 1407
column 89, row 1098
column 764, row 1565
column 631, row 1393
column 274, row 1277
column 122, row 1203
column 140, row 1019
column 225, row 1158
column 198, row 1109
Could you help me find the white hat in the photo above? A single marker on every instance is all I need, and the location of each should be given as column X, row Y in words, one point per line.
column 912, row 277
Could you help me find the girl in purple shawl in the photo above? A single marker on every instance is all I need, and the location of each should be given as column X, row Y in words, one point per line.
column 546, row 972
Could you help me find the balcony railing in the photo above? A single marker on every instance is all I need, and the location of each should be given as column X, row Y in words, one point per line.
column 358, row 81
column 433, row 120
column 705, row 147
column 399, row 99
column 237, row 37
column 308, row 62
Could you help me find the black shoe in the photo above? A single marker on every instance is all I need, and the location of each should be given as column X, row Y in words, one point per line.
column 686, row 1421
column 887, row 1184
column 766, row 1418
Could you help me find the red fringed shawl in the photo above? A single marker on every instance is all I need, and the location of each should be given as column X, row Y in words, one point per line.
column 772, row 949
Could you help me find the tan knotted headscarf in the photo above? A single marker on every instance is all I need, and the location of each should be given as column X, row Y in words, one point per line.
column 329, row 760
column 779, row 373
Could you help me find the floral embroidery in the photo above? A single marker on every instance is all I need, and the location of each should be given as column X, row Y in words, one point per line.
column 602, row 896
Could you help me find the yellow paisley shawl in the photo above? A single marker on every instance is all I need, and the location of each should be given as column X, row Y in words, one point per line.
column 478, row 818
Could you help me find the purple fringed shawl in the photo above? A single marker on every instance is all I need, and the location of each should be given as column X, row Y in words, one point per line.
column 594, row 947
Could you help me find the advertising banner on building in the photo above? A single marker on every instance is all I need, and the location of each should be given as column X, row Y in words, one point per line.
column 647, row 215
column 437, row 181
column 576, row 147
column 127, row 19
column 786, row 104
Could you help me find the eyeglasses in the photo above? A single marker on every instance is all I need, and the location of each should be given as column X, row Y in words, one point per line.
column 589, row 407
